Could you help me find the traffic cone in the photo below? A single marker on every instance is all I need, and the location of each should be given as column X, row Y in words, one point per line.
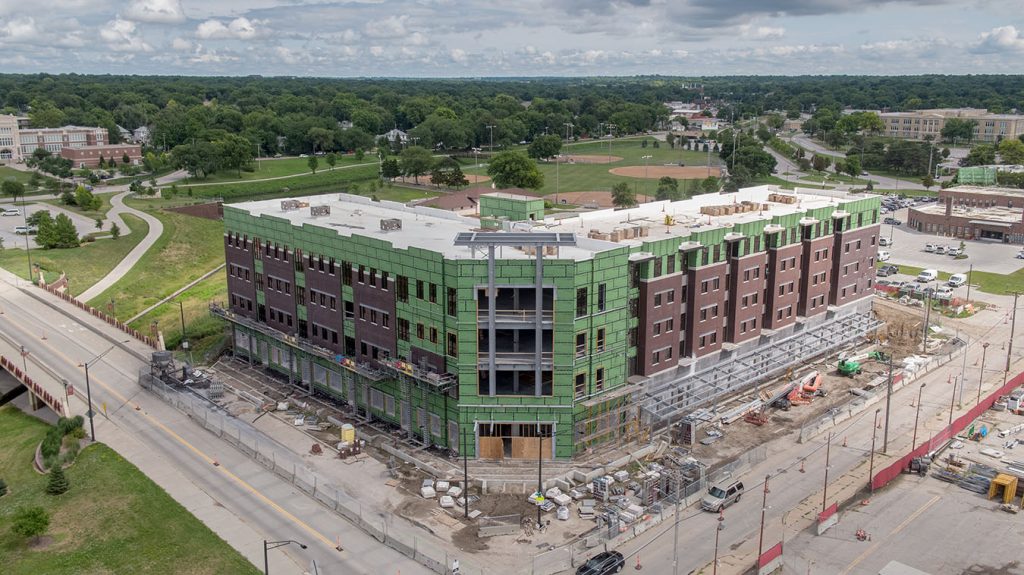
column 844, row 441
column 638, row 565
column 802, row 466
column 44, row 335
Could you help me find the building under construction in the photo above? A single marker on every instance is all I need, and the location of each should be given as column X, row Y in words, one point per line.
column 510, row 332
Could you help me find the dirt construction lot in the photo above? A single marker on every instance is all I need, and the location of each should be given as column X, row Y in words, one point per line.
column 655, row 172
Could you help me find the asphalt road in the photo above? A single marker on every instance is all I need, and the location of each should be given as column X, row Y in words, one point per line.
column 240, row 500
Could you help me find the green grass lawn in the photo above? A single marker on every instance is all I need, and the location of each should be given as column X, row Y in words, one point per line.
column 337, row 180
column 12, row 174
column 205, row 332
column 84, row 265
column 907, row 193
column 112, row 520
column 188, row 248
column 276, row 167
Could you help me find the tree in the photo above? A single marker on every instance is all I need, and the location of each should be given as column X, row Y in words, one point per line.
column 821, row 162
column 623, row 195
column 332, row 160
column 709, row 185
column 456, row 178
column 515, row 170
column 927, row 181
column 980, row 155
column 57, row 232
column 668, row 189
column 319, row 138
column 125, row 159
column 670, row 139
column 313, row 163
column 958, row 129
column 853, row 167
column 30, row 522
column 234, row 152
column 58, row 482
column 416, row 161
column 99, row 223
column 1011, row 151
column 115, row 231
column 643, row 143
column 776, row 121
column 390, row 169
column 85, row 199
column 13, row 188
column 544, row 147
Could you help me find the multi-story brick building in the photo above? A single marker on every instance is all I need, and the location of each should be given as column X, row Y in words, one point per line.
column 511, row 331
column 18, row 140
column 973, row 212
column 89, row 156
column 919, row 124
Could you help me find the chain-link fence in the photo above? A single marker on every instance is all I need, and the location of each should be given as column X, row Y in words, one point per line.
column 289, row 466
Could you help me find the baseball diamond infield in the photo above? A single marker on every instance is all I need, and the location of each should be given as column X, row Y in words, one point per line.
column 600, row 199
column 587, row 159
column 655, row 172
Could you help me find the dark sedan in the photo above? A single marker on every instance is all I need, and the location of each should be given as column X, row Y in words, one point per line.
column 602, row 564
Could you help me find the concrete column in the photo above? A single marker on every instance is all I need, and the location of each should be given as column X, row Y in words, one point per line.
column 251, row 350
column 538, row 320
column 491, row 332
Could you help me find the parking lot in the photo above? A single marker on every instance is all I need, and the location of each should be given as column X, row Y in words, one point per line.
column 908, row 249
column 7, row 224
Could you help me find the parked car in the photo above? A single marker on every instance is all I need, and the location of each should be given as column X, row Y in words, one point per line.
column 930, row 248
column 943, row 292
column 883, row 256
column 952, row 251
column 1020, row 255
column 888, row 270
column 883, row 241
column 957, row 280
column 892, row 221
column 26, row 230
column 941, row 250
column 603, row 564
column 927, row 276
column 11, row 212
column 722, row 495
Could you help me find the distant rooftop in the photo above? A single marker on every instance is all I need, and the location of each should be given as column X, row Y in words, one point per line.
column 987, row 214
column 598, row 231
column 994, row 191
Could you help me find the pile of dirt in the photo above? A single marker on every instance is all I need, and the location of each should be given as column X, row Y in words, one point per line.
column 902, row 329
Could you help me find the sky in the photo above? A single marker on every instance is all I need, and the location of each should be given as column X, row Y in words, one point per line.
column 488, row 38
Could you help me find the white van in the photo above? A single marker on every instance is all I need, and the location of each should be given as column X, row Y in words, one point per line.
column 883, row 256
column 927, row 276
column 957, row 280
column 11, row 212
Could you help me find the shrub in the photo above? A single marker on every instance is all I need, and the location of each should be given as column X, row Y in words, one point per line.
column 3, row 487
column 58, row 482
column 51, row 461
column 78, row 433
column 51, row 443
column 31, row 522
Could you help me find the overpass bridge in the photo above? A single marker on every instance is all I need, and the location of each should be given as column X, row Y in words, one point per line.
column 46, row 388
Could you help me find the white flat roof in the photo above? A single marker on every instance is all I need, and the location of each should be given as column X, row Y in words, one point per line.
column 435, row 229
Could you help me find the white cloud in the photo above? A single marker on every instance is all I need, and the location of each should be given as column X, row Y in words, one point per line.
column 1001, row 39
column 181, row 44
column 240, row 28
column 458, row 55
column 762, row 32
column 390, row 27
column 19, row 30
column 120, row 36
column 156, row 11
column 376, row 51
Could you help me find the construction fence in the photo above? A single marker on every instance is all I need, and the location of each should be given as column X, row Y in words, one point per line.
column 883, row 477
column 395, row 533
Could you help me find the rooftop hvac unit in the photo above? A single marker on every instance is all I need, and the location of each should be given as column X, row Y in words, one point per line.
column 390, row 224
column 289, row 205
column 318, row 211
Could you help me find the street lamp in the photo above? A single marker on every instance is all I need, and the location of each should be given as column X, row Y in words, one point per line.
column 718, row 529
column 88, row 389
column 268, row 545
column 981, row 374
column 184, row 336
column 645, row 158
column 490, row 128
column 764, row 507
column 917, row 416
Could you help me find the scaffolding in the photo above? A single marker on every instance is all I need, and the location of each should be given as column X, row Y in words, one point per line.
column 665, row 401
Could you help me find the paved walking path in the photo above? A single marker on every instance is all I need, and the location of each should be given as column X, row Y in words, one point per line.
column 156, row 229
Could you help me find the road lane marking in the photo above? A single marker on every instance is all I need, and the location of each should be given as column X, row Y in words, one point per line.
column 199, row 453
column 896, row 530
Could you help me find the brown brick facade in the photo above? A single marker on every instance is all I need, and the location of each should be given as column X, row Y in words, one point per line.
column 853, row 264
column 746, row 287
column 241, row 272
column 783, row 286
column 658, row 340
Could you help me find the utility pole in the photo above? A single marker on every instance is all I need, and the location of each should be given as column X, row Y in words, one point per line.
column 764, row 507
column 1009, row 344
column 981, row 374
column 888, row 405
column 568, row 126
column 828, row 453
column 927, row 318
column 969, row 270
column 917, row 416
column 952, row 400
column 675, row 528
column 490, row 128
column 871, row 465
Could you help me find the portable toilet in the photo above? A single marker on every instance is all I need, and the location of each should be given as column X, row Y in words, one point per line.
column 1008, row 483
column 348, row 433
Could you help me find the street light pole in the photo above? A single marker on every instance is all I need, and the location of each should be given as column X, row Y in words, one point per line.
column 268, row 545
column 981, row 374
column 88, row 389
column 184, row 337
column 675, row 528
column 490, row 128
column 828, row 453
column 888, row 405
column 952, row 400
column 645, row 159
column 871, row 465
column 917, row 417
column 1009, row 344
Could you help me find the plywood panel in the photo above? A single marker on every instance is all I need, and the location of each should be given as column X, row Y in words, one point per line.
column 526, row 448
column 491, row 448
